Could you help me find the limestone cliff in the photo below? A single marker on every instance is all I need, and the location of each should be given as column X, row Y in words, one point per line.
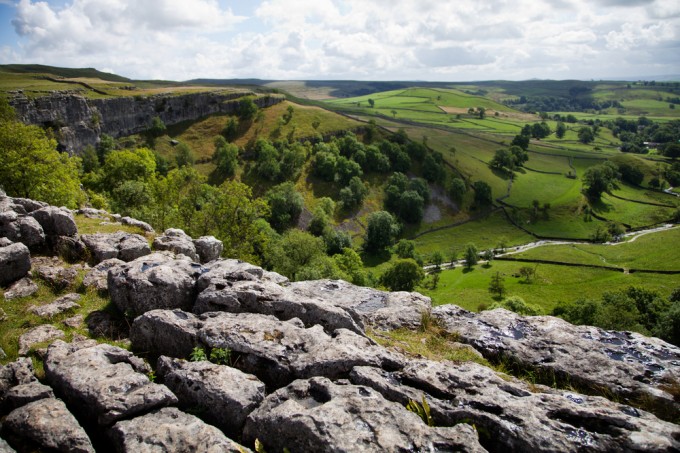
column 80, row 121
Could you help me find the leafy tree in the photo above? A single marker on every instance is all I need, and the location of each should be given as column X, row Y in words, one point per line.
column 618, row 312
column 437, row 259
column 293, row 157
column 497, row 285
column 321, row 266
column 482, row 193
column 296, row 250
column 471, row 255
column 157, row 127
column 433, row 167
column 225, row 157
column 630, row 174
column 672, row 150
column 352, row 267
column 31, row 166
column 130, row 196
column 560, row 130
column 285, row 205
column 354, row 194
column 579, row 312
column 540, row 130
column 668, row 327
column 586, row 135
column 230, row 130
column 600, row 178
column 517, row 305
column 105, row 146
column 346, row 169
column 268, row 165
column 405, row 249
column 527, row 272
column 371, row 102
column 128, row 165
column 521, row 140
column 247, row 109
column 376, row 161
column 381, row 231
column 336, row 240
column 324, row 164
column 90, row 160
column 184, row 156
column 503, row 159
column 457, row 189
column 403, row 275
column 412, row 207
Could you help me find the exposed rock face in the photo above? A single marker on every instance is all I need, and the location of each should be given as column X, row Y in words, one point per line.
column 517, row 417
column 58, row 277
column 379, row 309
column 16, row 373
column 276, row 351
column 21, row 228
column 176, row 241
column 60, row 305
column 169, row 332
column 21, row 288
column 23, row 394
column 318, row 415
column 120, row 245
column 208, row 248
column 48, row 423
column 170, row 429
column 56, row 221
column 37, row 335
column 97, row 277
column 104, row 382
column 121, row 116
column 226, row 394
column 154, row 281
column 15, row 262
column 627, row 364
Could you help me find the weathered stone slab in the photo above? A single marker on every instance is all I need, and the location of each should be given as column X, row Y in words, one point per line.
column 170, row 430
column 176, row 241
column 48, row 423
column 628, row 365
column 515, row 416
column 318, row 415
column 37, row 335
column 56, row 221
column 137, row 223
column 58, row 277
column 225, row 395
column 208, row 248
column 97, row 277
column 15, row 262
column 61, row 305
column 22, row 394
column 21, row 288
column 103, row 382
column 120, row 245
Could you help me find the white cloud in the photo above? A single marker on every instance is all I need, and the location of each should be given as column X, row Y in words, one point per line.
column 367, row 39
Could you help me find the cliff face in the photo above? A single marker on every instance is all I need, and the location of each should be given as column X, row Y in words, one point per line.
column 81, row 121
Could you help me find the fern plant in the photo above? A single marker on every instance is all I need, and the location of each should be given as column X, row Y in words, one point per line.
column 422, row 410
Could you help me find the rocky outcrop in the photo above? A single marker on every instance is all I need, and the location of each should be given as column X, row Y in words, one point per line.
column 515, row 416
column 208, row 248
column 629, row 365
column 120, row 245
column 226, row 394
column 170, row 429
column 97, row 276
column 21, row 228
column 49, row 424
column 103, row 382
column 15, row 262
column 80, row 121
column 56, row 221
column 176, row 241
column 318, row 415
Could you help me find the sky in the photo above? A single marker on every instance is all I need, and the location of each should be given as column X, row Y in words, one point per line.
column 429, row 40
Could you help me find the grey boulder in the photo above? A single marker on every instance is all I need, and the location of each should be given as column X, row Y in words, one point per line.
column 176, row 241
column 120, row 245
column 104, row 382
column 61, row 305
column 137, row 223
column 15, row 262
column 23, row 394
column 56, row 221
column 97, row 276
column 628, row 365
column 16, row 373
column 225, row 394
column 318, row 415
column 208, row 248
column 21, row 288
column 37, row 335
column 170, row 430
column 48, row 423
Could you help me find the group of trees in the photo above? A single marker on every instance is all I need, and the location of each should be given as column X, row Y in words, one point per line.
column 509, row 159
column 406, row 198
column 636, row 308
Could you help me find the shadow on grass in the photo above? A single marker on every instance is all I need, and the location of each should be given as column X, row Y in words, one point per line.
column 375, row 259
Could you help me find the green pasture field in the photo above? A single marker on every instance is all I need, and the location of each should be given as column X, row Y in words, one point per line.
column 634, row 214
column 553, row 284
column 654, row 251
column 546, row 188
column 544, row 162
column 645, row 195
column 485, row 233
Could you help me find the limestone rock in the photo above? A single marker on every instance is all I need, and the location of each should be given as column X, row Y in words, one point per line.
column 176, row 241
column 21, row 228
column 15, row 262
column 138, row 224
column 169, row 332
column 16, row 373
column 4, row 242
column 21, row 288
column 225, row 394
column 57, row 307
column 70, row 248
column 58, row 277
column 629, row 365
column 23, row 394
column 97, row 277
column 120, row 245
column 103, row 382
column 277, row 352
column 170, row 430
column 37, row 335
column 48, row 423
column 4, row 447
column 56, row 221
column 379, row 309
column 516, row 416
column 154, row 281
column 318, row 415
column 74, row 321
column 208, row 248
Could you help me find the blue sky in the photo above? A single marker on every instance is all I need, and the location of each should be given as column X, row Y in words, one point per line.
column 348, row 39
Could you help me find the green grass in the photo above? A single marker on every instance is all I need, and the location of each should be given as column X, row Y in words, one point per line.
column 634, row 214
column 649, row 252
column 553, row 284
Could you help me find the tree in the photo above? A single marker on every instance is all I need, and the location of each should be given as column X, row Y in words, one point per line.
column 457, row 190
column 503, row 159
column 346, row 169
column 560, row 130
column 437, row 259
column 31, row 166
column 517, row 305
column 247, row 109
column 184, row 156
column 127, row 165
column 482, row 193
column 433, row 167
column 157, row 127
column 586, row 135
column 296, row 250
column 600, row 178
column 285, row 204
column 471, row 255
column 371, row 102
column 527, row 272
column 350, row 264
column 230, row 130
column 403, row 275
column 225, row 157
column 381, row 231
column 405, row 249
column 354, row 194
column 497, row 285
column 521, row 140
